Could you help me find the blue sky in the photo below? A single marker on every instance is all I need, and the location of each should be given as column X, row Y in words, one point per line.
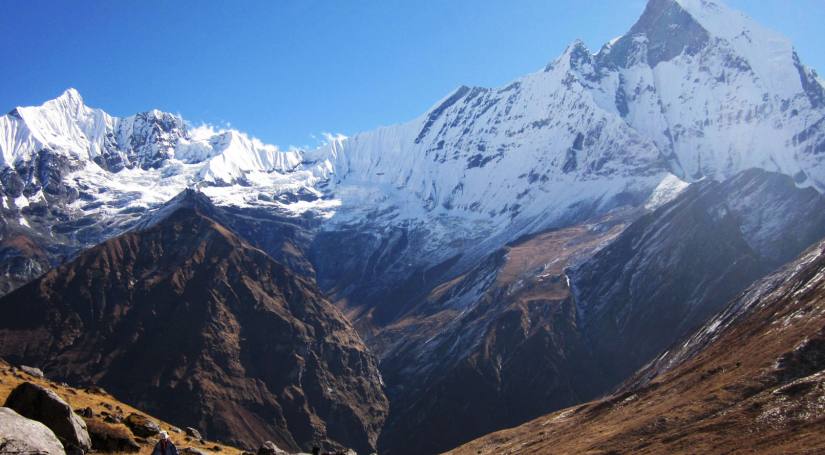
column 286, row 71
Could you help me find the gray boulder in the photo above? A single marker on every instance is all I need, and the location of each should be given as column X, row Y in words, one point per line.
column 32, row 371
column 21, row 435
column 191, row 451
column 39, row 403
column 192, row 432
column 269, row 448
column 141, row 425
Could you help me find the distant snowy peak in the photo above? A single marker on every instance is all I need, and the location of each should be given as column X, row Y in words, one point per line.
column 64, row 125
column 694, row 90
column 147, row 140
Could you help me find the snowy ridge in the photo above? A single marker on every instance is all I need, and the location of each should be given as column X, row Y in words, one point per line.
column 694, row 90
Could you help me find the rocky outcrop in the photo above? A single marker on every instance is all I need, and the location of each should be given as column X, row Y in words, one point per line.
column 38, row 403
column 19, row 435
column 141, row 425
column 192, row 324
column 269, row 448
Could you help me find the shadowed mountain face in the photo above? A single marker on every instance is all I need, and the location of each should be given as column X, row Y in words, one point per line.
column 501, row 254
column 565, row 316
column 186, row 320
column 750, row 380
column 674, row 268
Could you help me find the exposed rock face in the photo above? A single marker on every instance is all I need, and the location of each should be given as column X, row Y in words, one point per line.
column 192, row 432
column 36, row 372
column 141, row 426
column 192, row 324
column 565, row 316
column 493, row 347
column 21, row 435
column 751, row 378
column 406, row 231
column 38, row 403
column 22, row 258
column 269, row 448
column 674, row 268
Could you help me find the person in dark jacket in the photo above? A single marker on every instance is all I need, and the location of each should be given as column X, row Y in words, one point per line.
column 165, row 446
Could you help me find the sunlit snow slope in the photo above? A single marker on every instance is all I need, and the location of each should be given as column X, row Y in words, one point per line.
column 693, row 90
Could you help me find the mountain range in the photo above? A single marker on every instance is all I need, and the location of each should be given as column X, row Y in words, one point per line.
column 509, row 253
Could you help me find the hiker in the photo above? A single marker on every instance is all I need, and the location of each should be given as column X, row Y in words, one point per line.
column 165, row 446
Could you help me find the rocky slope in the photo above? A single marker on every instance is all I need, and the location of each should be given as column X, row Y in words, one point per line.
column 185, row 320
column 469, row 243
column 104, row 415
column 565, row 316
column 693, row 90
column 673, row 269
column 750, row 380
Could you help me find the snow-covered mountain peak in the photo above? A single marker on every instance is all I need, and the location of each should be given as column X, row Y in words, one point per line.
column 694, row 90
column 576, row 57
column 70, row 100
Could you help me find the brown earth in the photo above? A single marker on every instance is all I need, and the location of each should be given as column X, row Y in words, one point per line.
column 100, row 402
column 750, row 381
column 189, row 322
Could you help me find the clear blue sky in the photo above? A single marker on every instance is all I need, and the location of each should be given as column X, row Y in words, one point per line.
column 286, row 71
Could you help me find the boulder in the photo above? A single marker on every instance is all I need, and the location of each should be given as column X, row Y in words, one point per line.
column 32, row 371
column 269, row 448
column 21, row 435
column 193, row 433
column 39, row 403
column 111, row 438
column 141, row 426
column 191, row 451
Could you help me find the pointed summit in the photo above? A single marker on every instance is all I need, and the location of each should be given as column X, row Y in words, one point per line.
column 576, row 54
column 664, row 31
column 190, row 199
column 70, row 99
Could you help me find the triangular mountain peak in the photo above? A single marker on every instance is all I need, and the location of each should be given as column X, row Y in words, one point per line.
column 190, row 199
column 664, row 31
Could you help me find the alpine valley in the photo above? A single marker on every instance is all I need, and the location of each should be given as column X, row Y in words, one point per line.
column 633, row 225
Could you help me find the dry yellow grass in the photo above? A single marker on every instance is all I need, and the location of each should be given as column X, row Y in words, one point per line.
column 80, row 398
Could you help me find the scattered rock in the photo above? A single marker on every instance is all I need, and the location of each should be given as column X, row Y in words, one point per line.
column 111, row 438
column 141, row 426
column 85, row 412
column 269, row 448
column 191, row 451
column 21, row 435
column 32, row 371
column 96, row 389
column 193, row 433
column 41, row 404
